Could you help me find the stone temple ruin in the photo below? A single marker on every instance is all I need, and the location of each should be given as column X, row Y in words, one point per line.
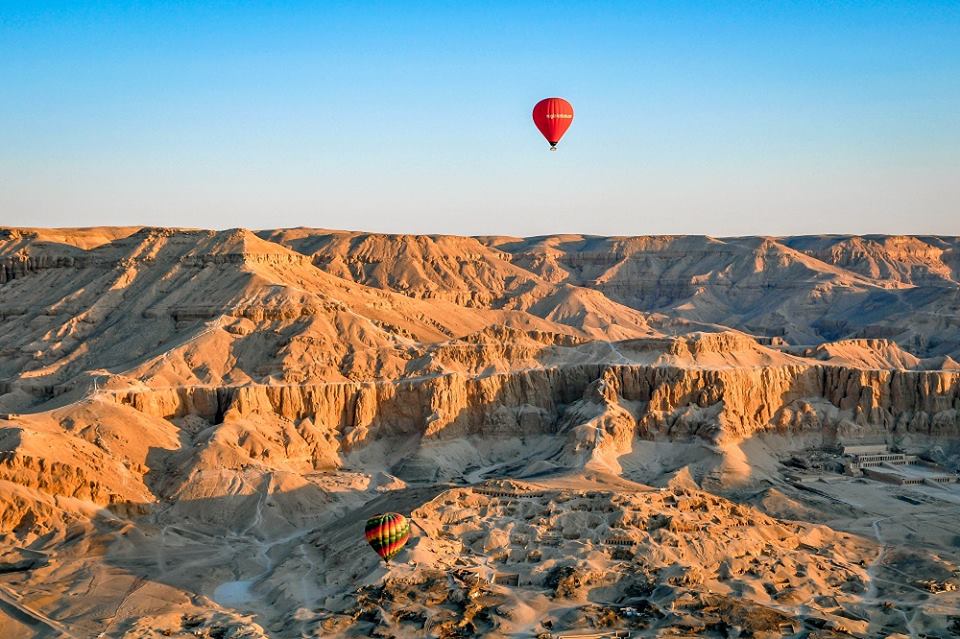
column 872, row 461
column 878, row 462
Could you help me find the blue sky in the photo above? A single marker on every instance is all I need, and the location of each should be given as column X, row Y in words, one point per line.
column 722, row 118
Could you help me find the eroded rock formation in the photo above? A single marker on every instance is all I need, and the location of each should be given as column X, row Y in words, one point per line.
column 202, row 419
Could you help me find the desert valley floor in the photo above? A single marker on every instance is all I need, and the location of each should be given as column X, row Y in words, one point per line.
column 598, row 436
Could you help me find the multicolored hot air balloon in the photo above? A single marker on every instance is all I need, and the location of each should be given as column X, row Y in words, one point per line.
column 553, row 117
column 387, row 534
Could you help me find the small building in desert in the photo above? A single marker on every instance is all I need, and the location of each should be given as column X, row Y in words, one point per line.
column 878, row 462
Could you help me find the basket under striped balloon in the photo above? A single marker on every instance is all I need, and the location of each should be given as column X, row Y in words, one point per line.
column 387, row 533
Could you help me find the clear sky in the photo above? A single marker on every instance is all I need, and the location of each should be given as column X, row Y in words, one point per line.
column 717, row 117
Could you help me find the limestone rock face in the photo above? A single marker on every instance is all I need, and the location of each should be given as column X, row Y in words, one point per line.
column 326, row 344
column 747, row 401
column 194, row 424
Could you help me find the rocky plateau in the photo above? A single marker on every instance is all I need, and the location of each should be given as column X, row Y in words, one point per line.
column 590, row 434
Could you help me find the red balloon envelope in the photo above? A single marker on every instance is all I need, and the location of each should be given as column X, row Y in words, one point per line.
column 553, row 117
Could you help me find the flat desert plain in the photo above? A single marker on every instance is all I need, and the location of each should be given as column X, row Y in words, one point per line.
column 598, row 436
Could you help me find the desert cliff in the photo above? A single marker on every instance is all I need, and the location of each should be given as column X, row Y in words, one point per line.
column 590, row 433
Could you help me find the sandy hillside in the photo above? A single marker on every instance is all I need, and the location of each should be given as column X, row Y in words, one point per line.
column 641, row 435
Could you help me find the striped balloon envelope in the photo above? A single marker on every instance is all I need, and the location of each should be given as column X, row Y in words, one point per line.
column 387, row 534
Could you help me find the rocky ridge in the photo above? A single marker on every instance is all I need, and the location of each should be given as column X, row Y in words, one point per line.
column 165, row 391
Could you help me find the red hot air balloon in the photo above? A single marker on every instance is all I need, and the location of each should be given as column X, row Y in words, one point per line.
column 553, row 117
